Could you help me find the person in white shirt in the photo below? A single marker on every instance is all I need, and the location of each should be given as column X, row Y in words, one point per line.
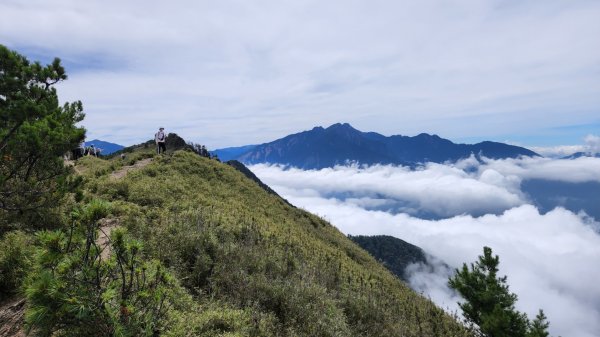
column 160, row 138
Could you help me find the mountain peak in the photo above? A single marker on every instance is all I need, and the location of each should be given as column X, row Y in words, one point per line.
column 341, row 143
column 107, row 147
column 341, row 126
column 425, row 135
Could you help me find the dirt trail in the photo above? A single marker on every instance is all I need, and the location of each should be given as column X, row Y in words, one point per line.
column 11, row 318
column 103, row 240
column 107, row 225
column 120, row 173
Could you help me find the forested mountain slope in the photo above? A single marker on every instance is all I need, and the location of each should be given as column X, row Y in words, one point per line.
column 395, row 254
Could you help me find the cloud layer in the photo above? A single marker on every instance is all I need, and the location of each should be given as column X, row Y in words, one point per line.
column 435, row 190
column 549, row 258
column 591, row 146
column 233, row 72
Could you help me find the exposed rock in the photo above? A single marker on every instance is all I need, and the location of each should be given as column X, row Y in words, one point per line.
column 12, row 318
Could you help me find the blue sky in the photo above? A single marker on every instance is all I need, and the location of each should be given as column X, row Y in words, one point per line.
column 230, row 73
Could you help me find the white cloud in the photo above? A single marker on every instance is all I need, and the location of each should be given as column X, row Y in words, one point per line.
column 592, row 144
column 574, row 170
column 559, row 151
column 466, row 187
column 432, row 189
column 549, row 258
column 233, row 72
column 431, row 279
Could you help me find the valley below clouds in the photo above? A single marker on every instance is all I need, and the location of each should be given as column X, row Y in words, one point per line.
column 539, row 215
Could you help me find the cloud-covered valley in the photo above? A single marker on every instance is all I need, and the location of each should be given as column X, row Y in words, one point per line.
column 451, row 211
column 434, row 190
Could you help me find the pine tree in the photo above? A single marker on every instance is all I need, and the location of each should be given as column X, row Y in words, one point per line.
column 75, row 291
column 539, row 326
column 489, row 303
column 35, row 131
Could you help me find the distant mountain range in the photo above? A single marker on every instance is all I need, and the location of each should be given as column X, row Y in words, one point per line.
column 546, row 195
column 341, row 143
column 582, row 154
column 231, row 153
column 107, row 147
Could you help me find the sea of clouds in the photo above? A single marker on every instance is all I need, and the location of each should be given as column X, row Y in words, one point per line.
column 453, row 210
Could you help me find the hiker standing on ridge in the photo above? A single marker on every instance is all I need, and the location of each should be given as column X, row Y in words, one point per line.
column 160, row 138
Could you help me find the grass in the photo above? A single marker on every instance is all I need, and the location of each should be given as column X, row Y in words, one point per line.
column 229, row 241
column 247, row 262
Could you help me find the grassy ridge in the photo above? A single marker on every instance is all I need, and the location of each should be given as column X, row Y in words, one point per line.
column 253, row 264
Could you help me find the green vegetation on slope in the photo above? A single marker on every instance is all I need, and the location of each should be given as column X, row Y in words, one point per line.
column 253, row 263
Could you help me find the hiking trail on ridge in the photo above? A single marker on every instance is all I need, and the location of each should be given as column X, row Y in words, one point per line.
column 107, row 225
column 120, row 173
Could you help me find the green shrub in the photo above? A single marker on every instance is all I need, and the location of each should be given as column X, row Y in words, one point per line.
column 219, row 319
column 75, row 291
column 112, row 189
column 16, row 253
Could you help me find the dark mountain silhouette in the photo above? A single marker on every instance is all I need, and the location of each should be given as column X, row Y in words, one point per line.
column 230, row 153
column 395, row 254
column 107, row 147
column 341, row 143
column 582, row 154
